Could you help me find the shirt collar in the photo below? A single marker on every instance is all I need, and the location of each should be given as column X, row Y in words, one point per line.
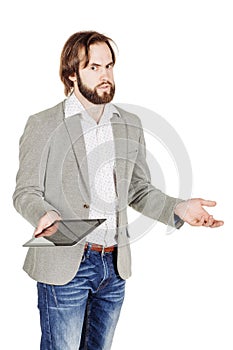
column 73, row 106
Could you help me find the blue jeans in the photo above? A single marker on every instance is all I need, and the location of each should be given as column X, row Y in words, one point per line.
column 82, row 314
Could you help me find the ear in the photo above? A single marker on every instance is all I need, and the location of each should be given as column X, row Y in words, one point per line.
column 73, row 77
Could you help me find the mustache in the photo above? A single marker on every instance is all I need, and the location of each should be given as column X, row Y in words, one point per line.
column 105, row 83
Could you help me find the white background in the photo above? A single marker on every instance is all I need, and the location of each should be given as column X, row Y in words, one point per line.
column 175, row 58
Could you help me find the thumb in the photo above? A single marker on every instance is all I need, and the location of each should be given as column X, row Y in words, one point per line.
column 38, row 230
column 208, row 203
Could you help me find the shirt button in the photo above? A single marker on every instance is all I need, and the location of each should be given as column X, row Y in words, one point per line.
column 86, row 206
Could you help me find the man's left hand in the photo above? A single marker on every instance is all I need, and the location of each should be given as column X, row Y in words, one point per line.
column 192, row 212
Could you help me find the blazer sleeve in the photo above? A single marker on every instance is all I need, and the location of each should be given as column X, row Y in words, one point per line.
column 28, row 197
column 146, row 198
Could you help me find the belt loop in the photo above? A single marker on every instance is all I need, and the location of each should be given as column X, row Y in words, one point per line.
column 88, row 250
column 102, row 253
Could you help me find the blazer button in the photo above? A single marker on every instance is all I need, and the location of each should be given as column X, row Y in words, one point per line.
column 86, row 206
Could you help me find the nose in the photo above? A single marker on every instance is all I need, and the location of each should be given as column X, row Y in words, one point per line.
column 105, row 74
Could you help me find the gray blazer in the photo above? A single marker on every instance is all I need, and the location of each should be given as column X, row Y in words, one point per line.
column 53, row 175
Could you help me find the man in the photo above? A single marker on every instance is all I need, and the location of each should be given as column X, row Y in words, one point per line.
column 85, row 158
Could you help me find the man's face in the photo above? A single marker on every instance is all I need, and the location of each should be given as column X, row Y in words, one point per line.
column 96, row 82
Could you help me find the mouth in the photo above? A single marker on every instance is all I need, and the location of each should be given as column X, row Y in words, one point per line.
column 104, row 86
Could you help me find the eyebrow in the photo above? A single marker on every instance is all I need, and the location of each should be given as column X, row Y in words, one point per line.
column 99, row 65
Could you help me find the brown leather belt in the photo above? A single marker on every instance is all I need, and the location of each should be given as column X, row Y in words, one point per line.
column 100, row 248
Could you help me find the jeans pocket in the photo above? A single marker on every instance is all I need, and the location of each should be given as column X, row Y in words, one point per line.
column 46, row 296
column 53, row 292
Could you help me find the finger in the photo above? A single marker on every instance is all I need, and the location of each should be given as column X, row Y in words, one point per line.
column 42, row 225
column 208, row 203
column 202, row 221
column 47, row 232
column 217, row 223
column 38, row 230
column 38, row 235
column 209, row 221
column 197, row 222
column 41, row 229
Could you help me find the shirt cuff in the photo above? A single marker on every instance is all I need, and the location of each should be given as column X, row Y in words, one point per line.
column 178, row 221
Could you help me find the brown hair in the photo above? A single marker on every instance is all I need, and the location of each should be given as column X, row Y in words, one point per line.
column 70, row 56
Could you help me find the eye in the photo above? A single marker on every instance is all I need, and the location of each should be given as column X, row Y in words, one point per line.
column 109, row 66
column 93, row 68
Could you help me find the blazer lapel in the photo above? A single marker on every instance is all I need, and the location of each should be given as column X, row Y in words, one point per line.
column 75, row 132
column 120, row 135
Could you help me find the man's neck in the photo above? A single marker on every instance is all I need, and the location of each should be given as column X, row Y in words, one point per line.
column 95, row 111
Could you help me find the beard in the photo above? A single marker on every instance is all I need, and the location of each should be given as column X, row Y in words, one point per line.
column 93, row 96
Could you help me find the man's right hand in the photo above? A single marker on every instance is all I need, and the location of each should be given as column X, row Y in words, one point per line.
column 45, row 226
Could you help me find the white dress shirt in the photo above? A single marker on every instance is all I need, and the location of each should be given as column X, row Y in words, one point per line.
column 100, row 150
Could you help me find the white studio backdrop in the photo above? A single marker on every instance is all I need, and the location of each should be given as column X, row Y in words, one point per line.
column 175, row 58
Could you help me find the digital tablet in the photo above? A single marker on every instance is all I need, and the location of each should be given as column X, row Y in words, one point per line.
column 68, row 233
